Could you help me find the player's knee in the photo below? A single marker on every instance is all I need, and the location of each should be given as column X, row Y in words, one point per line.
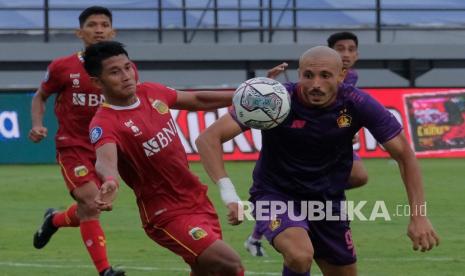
column 299, row 261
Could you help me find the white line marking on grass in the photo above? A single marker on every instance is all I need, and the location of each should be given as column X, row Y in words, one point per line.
column 141, row 268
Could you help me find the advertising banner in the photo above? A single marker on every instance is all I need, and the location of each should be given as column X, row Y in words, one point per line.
column 15, row 123
column 433, row 121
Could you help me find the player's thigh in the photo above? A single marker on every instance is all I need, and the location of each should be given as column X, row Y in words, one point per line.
column 332, row 240
column 188, row 236
column 77, row 167
column 293, row 240
column 336, row 270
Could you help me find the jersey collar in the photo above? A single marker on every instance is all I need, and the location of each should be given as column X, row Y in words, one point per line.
column 116, row 107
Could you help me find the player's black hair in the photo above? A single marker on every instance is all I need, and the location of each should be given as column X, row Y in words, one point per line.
column 334, row 38
column 92, row 11
column 95, row 54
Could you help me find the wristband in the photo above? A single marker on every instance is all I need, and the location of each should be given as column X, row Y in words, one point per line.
column 112, row 178
column 227, row 191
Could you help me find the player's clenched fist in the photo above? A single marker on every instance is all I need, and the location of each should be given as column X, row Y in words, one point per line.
column 106, row 195
column 422, row 234
column 37, row 133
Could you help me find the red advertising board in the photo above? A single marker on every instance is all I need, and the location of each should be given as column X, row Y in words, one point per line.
column 433, row 120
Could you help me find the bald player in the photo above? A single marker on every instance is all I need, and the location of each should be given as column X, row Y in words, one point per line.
column 314, row 165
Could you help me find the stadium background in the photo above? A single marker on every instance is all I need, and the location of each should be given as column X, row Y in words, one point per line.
column 412, row 48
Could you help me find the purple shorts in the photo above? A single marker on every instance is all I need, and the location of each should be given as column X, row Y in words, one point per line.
column 331, row 239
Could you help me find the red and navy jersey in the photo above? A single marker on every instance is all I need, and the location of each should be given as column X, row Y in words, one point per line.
column 151, row 157
column 76, row 102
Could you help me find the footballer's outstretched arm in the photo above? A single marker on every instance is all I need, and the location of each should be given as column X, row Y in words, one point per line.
column 209, row 145
column 38, row 131
column 203, row 100
column 107, row 169
column 420, row 229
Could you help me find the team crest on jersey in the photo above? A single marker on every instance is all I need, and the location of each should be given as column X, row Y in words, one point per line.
column 198, row 233
column 130, row 124
column 95, row 134
column 344, row 119
column 75, row 83
column 274, row 224
column 159, row 106
column 81, row 171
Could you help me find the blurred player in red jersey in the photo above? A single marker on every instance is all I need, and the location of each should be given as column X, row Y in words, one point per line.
column 75, row 105
column 135, row 137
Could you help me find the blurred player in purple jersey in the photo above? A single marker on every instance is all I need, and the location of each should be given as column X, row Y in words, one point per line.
column 346, row 44
column 309, row 158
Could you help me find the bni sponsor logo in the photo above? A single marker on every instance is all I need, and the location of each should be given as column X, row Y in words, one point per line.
column 9, row 125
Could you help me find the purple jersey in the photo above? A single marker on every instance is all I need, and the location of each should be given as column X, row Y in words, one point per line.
column 351, row 77
column 311, row 151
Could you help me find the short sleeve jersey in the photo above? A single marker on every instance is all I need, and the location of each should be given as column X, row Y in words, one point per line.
column 151, row 157
column 310, row 153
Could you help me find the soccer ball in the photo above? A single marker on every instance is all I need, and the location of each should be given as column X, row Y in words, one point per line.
column 261, row 103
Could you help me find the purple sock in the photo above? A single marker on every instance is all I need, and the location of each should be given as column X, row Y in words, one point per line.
column 256, row 234
column 288, row 272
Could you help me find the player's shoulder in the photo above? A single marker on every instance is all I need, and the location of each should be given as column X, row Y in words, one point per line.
column 103, row 114
column 291, row 87
column 353, row 94
column 152, row 88
column 64, row 61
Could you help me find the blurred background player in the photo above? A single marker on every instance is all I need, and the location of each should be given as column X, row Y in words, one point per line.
column 314, row 145
column 135, row 136
column 75, row 105
column 346, row 44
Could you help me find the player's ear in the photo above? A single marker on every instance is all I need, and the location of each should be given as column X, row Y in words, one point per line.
column 78, row 33
column 112, row 34
column 96, row 82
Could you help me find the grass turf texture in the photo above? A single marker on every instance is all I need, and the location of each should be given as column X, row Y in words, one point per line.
column 382, row 246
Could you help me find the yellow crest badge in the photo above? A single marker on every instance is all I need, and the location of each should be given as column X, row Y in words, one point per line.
column 198, row 233
column 81, row 171
column 274, row 224
column 159, row 106
column 344, row 120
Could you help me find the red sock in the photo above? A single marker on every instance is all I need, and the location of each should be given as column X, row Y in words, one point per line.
column 66, row 218
column 94, row 240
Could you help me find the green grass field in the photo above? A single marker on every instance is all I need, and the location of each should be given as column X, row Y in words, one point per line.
column 382, row 246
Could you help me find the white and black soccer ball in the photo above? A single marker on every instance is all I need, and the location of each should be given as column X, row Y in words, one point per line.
column 261, row 103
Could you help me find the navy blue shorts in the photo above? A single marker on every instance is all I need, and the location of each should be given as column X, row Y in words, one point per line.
column 331, row 239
